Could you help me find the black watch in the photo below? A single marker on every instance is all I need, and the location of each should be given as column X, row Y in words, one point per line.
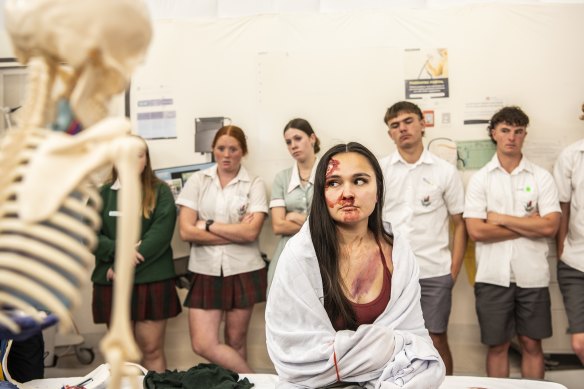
column 208, row 224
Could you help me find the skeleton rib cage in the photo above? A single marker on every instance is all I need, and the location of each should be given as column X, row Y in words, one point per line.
column 42, row 264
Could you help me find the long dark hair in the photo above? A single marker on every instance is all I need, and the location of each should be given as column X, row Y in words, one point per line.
column 323, row 230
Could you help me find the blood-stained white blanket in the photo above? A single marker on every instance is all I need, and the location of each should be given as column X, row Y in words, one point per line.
column 393, row 352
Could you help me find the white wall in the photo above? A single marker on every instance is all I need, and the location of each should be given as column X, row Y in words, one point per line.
column 341, row 70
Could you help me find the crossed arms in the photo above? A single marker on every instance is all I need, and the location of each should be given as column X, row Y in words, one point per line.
column 192, row 229
column 500, row 227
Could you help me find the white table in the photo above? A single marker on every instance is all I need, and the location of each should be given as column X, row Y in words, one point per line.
column 268, row 381
column 463, row 382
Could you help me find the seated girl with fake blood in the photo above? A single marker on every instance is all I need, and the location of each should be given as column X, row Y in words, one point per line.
column 344, row 306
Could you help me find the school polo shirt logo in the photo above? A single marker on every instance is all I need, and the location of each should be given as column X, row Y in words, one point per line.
column 426, row 201
column 529, row 206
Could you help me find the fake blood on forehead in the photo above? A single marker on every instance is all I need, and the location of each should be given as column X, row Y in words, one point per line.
column 332, row 166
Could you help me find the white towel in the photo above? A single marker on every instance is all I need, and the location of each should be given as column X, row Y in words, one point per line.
column 392, row 352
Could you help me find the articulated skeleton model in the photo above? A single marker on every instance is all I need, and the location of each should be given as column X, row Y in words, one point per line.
column 49, row 203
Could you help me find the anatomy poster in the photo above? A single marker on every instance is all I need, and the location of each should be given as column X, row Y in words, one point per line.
column 426, row 73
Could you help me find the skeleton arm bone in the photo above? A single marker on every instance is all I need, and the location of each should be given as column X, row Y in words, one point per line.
column 119, row 345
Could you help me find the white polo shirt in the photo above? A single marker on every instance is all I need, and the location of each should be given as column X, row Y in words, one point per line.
column 418, row 199
column 569, row 176
column 244, row 194
column 527, row 190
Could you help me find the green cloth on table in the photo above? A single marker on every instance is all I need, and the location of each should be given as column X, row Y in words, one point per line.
column 203, row 376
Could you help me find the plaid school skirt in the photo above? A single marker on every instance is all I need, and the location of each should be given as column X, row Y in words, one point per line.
column 151, row 301
column 225, row 293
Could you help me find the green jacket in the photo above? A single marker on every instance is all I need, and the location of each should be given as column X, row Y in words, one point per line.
column 156, row 235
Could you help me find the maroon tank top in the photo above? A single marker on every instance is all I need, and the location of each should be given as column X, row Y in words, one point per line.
column 368, row 312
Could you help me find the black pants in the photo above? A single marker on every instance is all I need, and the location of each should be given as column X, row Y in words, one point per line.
column 26, row 359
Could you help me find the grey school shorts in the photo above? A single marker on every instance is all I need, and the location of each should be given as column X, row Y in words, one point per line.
column 571, row 283
column 506, row 311
column 436, row 302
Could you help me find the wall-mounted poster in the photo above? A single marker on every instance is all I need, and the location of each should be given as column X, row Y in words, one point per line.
column 155, row 112
column 426, row 73
column 480, row 111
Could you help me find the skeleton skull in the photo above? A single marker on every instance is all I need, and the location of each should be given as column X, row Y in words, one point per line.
column 102, row 40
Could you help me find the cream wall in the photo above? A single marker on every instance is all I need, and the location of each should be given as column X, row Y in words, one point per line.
column 341, row 71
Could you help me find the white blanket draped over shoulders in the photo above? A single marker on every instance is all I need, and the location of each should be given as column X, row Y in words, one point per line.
column 393, row 352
